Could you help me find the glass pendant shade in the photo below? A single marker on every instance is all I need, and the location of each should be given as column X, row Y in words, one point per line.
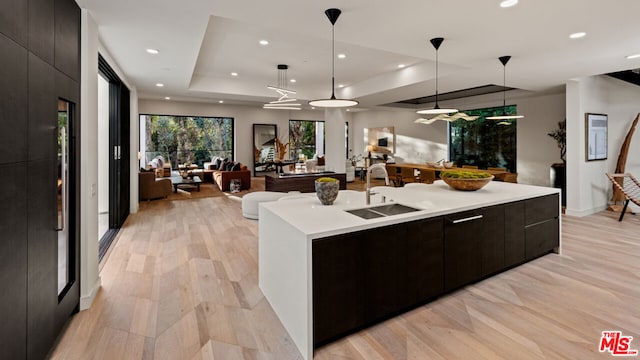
column 504, row 60
column 333, row 102
column 436, row 42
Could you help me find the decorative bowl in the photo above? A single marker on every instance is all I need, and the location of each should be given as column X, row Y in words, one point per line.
column 434, row 164
column 448, row 164
column 327, row 190
column 466, row 180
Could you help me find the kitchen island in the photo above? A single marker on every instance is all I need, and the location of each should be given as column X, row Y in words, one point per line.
column 327, row 272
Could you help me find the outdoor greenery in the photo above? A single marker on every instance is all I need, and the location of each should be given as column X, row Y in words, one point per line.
column 302, row 138
column 187, row 139
column 484, row 143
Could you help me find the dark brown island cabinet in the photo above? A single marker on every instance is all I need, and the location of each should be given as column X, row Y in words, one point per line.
column 363, row 277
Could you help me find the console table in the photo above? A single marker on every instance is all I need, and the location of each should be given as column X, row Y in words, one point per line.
column 300, row 182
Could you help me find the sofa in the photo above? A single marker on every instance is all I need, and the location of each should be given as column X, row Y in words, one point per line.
column 149, row 188
column 223, row 178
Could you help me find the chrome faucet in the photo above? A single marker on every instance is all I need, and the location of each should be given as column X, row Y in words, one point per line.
column 386, row 179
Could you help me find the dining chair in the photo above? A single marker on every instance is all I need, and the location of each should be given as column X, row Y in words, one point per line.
column 469, row 167
column 395, row 175
column 511, row 177
column 497, row 168
column 408, row 175
column 427, row 176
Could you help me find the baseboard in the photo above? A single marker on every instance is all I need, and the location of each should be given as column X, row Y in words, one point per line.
column 86, row 301
column 587, row 212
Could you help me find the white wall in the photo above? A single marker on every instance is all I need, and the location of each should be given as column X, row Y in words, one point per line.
column 89, row 277
column 103, row 145
column 90, row 46
column 419, row 143
column 244, row 118
column 588, row 189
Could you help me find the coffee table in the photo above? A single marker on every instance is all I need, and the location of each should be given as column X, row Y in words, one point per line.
column 179, row 181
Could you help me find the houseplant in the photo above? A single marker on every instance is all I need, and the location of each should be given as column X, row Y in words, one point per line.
column 558, row 171
column 466, row 180
column 327, row 190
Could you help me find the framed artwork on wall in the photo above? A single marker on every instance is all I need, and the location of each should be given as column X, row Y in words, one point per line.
column 596, row 133
column 382, row 139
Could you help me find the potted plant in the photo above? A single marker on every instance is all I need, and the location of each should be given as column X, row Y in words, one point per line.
column 558, row 170
column 327, row 189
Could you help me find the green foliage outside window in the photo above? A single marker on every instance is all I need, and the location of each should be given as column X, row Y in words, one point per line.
column 302, row 138
column 484, row 143
column 188, row 139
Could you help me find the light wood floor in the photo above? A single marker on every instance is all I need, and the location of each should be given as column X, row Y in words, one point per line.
column 181, row 283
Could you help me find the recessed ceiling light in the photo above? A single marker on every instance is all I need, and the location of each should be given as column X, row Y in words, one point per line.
column 634, row 56
column 234, row 74
column 348, row 109
column 167, row 98
column 153, row 51
column 159, row 84
column 508, row 3
column 578, row 35
column 263, row 42
column 221, row 101
column 340, row 86
column 292, row 80
column 313, row 108
column 400, row 66
column 342, row 56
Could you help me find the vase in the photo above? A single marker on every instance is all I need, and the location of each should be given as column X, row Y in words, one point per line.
column 327, row 192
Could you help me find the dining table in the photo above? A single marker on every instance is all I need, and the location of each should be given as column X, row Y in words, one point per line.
column 497, row 173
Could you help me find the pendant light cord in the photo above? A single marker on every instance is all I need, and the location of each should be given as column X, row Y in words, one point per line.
column 333, row 61
column 437, row 80
column 504, row 89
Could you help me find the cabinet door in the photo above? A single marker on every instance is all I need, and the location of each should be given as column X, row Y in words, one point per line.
column 541, row 238
column 491, row 240
column 514, row 233
column 382, row 279
column 461, row 249
column 335, row 286
column 424, row 261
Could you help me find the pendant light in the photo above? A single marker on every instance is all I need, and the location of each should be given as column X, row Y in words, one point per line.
column 332, row 102
column 436, row 42
column 504, row 60
column 284, row 102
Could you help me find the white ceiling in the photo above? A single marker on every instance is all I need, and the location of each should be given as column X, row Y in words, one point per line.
column 202, row 41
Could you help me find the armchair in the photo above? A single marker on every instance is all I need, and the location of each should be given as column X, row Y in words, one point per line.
column 150, row 188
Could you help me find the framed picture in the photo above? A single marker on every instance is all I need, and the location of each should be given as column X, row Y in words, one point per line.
column 382, row 140
column 596, row 125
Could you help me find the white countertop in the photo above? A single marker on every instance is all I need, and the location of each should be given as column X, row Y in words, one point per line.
column 315, row 220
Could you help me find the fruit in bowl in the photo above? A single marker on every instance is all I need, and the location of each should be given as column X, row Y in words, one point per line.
column 466, row 180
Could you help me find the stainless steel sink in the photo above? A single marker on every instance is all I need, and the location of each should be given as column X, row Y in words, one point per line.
column 382, row 210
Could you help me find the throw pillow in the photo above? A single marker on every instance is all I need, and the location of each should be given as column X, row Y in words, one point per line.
column 236, row 167
column 223, row 166
column 229, row 166
column 320, row 160
column 216, row 166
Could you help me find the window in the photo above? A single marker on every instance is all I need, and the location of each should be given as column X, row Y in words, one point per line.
column 484, row 143
column 185, row 139
column 306, row 137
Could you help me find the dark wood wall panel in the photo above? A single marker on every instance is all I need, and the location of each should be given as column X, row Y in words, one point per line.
column 67, row 38
column 13, row 20
column 13, row 102
column 42, row 110
column 13, row 262
column 41, row 29
column 40, row 57
column 42, row 248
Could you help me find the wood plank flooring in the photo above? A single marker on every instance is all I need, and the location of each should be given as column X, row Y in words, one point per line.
column 181, row 282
